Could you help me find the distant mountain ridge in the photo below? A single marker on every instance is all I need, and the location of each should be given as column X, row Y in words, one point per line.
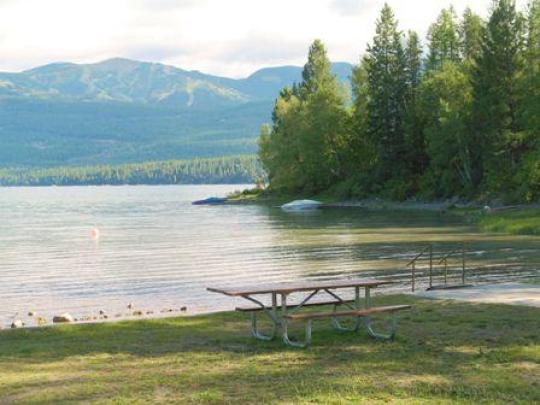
column 121, row 110
column 126, row 80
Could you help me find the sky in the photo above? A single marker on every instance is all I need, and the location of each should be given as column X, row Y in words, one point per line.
column 223, row 37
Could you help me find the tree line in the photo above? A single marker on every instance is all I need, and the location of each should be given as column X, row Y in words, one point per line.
column 232, row 170
column 459, row 116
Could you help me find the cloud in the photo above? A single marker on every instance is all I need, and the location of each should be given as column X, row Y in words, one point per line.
column 166, row 5
column 233, row 37
column 152, row 53
column 261, row 48
column 353, row 7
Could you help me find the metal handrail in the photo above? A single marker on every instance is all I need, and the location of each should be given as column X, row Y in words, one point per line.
column 419, row 255
column 445, row 260
column 413, row 269
column 446, row 256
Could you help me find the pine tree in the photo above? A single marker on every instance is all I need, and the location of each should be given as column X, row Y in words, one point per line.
column 495, row 107
column 361, row 154
column 317, row 72
column 278, row 144
column 323, row 142
column 531, row 77
column 385, row 65
column 445, row 102
column 304, row 149
column 443, row 40
column 527, row 178
column 414, row 137
column 413, row 58
column 470, row 35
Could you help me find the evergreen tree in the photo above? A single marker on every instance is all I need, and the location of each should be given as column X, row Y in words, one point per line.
column 317, row 72
column 443, row 38
column 305, row 148
column 361, row 154
column 470, row 35
column 446, row 98
column 414, row 136
column 385, row 65
column 323, row 142
column 278, row 145
column 527, row 178
column 413, row 60
column 531, row 77
column 495, row 107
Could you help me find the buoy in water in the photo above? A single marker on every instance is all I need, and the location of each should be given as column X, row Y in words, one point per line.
column 94, row 233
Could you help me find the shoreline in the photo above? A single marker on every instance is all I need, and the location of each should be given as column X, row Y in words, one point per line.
column 396, row 289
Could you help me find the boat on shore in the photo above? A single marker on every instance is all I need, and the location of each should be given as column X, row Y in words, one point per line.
column 210, row 201
column 301, row 205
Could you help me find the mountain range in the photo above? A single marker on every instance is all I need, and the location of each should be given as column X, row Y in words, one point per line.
column 122, row 110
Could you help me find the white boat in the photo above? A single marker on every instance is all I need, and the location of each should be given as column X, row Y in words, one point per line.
column 301, row 205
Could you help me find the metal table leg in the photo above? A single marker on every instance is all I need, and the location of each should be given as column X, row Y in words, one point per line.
column 335, row 321
column 272, row 315
column 369, row 327
column 284, row 323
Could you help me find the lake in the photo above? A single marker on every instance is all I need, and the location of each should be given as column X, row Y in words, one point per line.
column 86, row 249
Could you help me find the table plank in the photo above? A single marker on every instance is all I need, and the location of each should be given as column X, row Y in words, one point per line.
column 287, row 288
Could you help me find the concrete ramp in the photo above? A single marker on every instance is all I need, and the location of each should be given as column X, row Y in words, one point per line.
column 507, row 293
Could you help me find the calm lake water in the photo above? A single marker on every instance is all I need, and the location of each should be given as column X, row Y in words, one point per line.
column 159, row 252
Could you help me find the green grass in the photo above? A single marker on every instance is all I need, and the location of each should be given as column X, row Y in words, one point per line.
column 445, row 352
column 523, row 222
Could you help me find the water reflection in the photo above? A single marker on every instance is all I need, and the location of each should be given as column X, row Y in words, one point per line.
column 158, row 251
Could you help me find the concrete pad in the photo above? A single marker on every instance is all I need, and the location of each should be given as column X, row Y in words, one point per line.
column 507, row 293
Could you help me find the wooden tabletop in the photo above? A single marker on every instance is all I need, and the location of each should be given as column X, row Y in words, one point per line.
column 287, row 288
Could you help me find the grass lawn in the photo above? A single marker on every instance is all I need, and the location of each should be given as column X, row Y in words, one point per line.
column 523, row 222
column 445, row 352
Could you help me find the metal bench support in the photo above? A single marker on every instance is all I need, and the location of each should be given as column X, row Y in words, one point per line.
column 357, row 320
column 284, row 324
column 382, row 336
column 270, row 313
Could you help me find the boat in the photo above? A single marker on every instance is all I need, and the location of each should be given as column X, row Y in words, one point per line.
column 301, row 205
column 210, row 201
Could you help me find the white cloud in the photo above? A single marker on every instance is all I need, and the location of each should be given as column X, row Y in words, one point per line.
column 233, row 37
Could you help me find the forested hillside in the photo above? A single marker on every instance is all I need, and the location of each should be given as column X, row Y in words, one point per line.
column 229, row 170
column 462, row 119
column 120, row 111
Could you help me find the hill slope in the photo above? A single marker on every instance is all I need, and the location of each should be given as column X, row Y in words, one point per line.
column 121, row 110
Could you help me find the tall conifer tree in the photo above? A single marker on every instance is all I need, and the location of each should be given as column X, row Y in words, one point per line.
column 414, row 137
column 470, row 35
column 385, row 64
column 443, row 40
column 531, row 77
column 495, row 89
column 305, row 147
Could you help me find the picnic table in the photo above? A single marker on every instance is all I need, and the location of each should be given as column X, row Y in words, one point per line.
column 280, row 315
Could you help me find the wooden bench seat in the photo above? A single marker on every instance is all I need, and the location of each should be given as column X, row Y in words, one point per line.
column 355, row 312
column 291, row 306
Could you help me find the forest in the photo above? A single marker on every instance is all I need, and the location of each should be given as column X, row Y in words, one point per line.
column 456, row 116
column 227, row 170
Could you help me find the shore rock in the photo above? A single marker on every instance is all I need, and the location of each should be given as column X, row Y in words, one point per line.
column 32, row 313
column 137, row 313
column 17, row 323
column 64, row 318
